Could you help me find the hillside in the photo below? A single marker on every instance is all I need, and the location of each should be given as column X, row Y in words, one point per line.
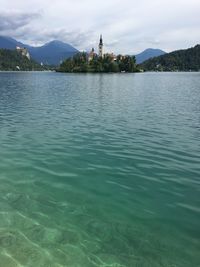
column 147, row 54
column 180, row 60
column 51, row 53
column 11, row 60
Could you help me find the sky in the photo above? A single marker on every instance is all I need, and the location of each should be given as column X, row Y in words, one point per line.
column 127, row 26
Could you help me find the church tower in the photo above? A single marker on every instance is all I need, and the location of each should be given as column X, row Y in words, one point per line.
column 101, row 47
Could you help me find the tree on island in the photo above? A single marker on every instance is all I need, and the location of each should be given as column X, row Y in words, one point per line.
column 107, row 63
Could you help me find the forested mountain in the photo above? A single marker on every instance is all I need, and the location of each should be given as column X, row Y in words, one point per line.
column 147, row 54
column 12, row 60
column 9, row 43
column 51, row 53
column 180, row 60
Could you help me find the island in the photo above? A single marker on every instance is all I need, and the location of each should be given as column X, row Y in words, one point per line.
column 99, row 63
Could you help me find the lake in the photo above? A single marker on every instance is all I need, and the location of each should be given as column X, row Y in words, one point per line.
column 99, row 170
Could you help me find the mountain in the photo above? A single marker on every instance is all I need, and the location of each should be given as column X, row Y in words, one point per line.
column 9, row 43
column 11, row 60
column 51, row 53
column 148, row 53
column 180, row 60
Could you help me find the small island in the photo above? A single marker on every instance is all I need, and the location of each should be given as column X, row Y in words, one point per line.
column 99, row 63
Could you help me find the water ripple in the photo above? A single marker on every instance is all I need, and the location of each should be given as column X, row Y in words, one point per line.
column 99, row 170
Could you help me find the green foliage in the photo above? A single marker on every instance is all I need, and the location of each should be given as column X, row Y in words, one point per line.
column 12, row 60
column 181, row 60
column 80, row 63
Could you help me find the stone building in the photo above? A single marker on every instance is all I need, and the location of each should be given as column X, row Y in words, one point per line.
column 91, row 55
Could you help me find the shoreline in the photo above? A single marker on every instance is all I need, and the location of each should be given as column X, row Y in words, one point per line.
column 55, row 71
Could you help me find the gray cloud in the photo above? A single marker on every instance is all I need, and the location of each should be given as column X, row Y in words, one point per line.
column 15, row 20
column 76, row 37
column 43, row 35
column 128, row 26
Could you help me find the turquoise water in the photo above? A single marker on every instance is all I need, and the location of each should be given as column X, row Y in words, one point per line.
column 99, row 170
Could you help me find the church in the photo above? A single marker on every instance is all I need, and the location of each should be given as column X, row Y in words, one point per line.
column 101, row 47
column 92, row 53
column 101, row 54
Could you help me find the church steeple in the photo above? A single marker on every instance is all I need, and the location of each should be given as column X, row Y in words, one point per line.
column 101, row 40
column 101, row 46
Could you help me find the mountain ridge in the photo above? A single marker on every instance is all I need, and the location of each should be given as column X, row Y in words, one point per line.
column 179, row 60
column 148, row 53
column 51, row 53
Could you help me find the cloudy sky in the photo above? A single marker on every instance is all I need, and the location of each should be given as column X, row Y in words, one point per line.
column 128, row 26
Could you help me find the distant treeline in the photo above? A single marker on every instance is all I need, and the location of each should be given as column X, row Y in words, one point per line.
column 80, row 63
column 12, row 60
column 180, row 60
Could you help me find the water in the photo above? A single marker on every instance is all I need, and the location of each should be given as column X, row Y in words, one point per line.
column 99, row 170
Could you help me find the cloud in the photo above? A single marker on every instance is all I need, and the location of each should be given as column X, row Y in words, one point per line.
column 37, row 37
column 15, row 20
column 128, row 26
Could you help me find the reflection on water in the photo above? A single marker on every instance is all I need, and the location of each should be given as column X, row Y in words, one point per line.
column 99, row 170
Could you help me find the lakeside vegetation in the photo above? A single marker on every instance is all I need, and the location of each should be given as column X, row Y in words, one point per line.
column 180, row 60
column 12, row 60
column 105, row 64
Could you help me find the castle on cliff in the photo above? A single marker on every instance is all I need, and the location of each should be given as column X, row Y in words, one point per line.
column 24, row 52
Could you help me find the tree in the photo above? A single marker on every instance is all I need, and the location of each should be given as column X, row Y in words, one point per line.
column 108, row 63
column 13, row 60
